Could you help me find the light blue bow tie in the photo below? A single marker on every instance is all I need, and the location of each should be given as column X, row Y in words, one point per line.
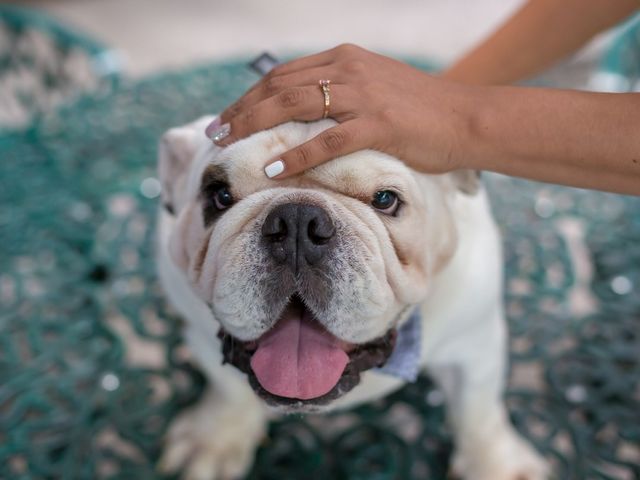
column 404, row 361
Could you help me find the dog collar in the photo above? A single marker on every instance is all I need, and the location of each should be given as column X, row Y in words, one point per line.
column 404, row 362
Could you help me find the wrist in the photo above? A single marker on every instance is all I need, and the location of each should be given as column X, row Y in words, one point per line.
column 475, row 126
column 487, row 119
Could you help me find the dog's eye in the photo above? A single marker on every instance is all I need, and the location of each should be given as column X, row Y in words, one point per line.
column 386, row 202
column 222, row 198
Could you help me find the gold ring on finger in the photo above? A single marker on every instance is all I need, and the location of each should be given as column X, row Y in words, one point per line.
column 326, row 91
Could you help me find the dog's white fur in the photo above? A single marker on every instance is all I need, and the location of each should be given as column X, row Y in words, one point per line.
column 452, row 270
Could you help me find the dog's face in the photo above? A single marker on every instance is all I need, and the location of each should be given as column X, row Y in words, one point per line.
column 308, row 276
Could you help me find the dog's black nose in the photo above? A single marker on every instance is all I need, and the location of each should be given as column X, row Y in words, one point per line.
column 298, row 234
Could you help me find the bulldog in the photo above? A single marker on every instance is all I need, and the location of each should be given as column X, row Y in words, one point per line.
column 330, row 289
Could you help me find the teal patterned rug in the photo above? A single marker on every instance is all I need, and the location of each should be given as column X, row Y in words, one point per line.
column 92, row 368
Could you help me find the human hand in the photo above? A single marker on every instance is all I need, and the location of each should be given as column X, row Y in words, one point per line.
column 379, row 103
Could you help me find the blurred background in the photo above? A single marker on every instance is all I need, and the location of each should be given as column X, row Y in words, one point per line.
column 156, row 35
column 92, row 368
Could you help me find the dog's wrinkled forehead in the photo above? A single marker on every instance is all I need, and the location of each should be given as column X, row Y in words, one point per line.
column 241, row 164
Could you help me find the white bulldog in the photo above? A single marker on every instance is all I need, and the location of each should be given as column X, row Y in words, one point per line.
column 295, row 292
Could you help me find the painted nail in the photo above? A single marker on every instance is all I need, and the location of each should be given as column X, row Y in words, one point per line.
column 212, row 127
column 221, row 133
column 273, row 169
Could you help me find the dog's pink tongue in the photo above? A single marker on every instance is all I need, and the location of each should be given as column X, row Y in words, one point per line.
column 298, row 359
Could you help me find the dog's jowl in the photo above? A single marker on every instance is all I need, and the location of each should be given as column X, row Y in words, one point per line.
column 329, row 289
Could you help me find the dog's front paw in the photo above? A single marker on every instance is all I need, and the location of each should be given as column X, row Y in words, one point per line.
column 505, row 456
column 214, row 440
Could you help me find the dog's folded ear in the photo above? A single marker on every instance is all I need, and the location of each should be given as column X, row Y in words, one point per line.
column 467, row 181
column 176, row 151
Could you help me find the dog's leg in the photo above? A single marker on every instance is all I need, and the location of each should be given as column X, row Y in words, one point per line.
column 470, row 370
column 216, row 438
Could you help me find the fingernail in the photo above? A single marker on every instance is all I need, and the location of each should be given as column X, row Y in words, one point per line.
column 212, row 127
column 221, row 133
column 273, row 169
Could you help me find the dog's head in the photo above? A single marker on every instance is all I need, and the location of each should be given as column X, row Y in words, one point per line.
column 310, row 276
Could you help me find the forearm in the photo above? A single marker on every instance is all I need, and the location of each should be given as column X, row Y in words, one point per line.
column 537, row 36
column 589, row 140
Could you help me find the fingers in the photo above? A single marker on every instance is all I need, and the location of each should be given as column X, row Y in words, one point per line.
column 340, row 140
column 268, row 85
column 274, row 84
column 291, row 92
column 295, row 103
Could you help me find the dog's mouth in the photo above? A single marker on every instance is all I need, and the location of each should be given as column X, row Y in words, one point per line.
column 299, row 363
